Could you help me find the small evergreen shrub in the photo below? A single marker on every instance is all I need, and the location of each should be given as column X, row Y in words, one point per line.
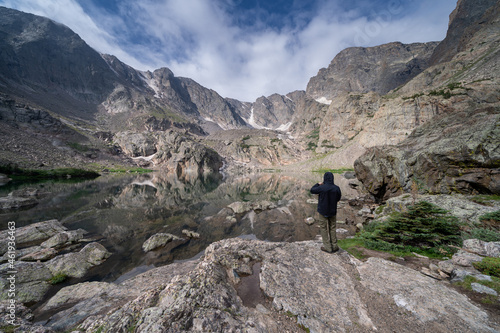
column 486, row 235
column 424, row 227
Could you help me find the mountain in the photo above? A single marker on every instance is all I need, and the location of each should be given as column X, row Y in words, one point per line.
column 87, row 106
column 456, row 149
column 379, row 69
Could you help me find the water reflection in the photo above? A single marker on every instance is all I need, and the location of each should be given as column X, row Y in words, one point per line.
column 124, row 211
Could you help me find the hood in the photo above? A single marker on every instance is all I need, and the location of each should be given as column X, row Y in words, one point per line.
column 328, row 178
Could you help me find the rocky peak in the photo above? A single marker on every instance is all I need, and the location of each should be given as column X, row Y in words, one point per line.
column 467, row 18
column 378, row 69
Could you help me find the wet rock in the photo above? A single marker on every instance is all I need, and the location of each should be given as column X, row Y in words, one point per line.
column 36, row 232
column 30, row 281
column 77, row 264
column 11, row 203
column 42, row 255
column 4, row 179
column 158, row 240
column 64, row 238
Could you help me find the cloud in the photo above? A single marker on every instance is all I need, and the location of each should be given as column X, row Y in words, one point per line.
column 242, row 52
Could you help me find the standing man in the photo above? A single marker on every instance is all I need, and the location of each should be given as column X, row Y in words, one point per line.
column 329, row 195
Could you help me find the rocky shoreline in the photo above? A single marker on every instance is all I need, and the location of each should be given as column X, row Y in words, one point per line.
column 295, row 288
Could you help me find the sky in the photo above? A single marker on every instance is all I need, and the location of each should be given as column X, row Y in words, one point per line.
column 242, row 49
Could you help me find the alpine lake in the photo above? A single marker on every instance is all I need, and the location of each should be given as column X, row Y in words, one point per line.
column 122, row 211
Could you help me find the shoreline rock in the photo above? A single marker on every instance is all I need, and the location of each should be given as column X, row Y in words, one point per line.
column 303, row 285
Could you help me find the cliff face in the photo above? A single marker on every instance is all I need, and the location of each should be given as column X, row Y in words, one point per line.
column 458, row 149
column 378, row 69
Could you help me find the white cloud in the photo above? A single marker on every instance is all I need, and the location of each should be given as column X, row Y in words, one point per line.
column 200, row 40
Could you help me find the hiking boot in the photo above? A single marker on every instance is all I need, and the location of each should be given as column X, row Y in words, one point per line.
column 335, row 249
column 325, row 250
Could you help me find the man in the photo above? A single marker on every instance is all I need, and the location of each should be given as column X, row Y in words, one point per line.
column 329, row 195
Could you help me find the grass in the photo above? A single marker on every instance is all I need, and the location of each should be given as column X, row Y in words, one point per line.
column 338, row 171
column 9, row 328
column 489, row 266
column 58, row 278
column 32, row 174
column 486, row 199
column 494, row 284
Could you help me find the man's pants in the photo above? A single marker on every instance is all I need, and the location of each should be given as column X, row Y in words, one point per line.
column 328, row 229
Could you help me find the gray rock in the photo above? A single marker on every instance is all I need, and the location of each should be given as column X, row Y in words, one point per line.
column 446, row 266
column 158, row 240
column 30, row 281
column 77, row 264
column 479, row 288
column 64, row 238
column 11, row 203
column 42, row 255
column 459, row 275
column 324, row 292
column 190, row 234
column 36, row 232
column 463, row 258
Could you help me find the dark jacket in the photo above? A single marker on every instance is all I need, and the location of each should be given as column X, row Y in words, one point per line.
column 329, row 195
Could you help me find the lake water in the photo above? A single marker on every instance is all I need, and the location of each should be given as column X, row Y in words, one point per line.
column 123, row 211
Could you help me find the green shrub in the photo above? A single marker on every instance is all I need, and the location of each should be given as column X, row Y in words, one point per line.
column 423, row 228
column 489, row 266
column 493, row 216
column 486, row 235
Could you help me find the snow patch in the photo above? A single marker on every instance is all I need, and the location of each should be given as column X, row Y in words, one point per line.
column 144, row 183
column 251, row 121
column 152, row 84
column 323, row 100
column 145, row 158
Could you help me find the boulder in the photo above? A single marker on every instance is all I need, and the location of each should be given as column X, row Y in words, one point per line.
column 64, row 238
column 157, row 240
column 290, row 284
column 36, row 232
column 11, row 203
column 77, row 264
column 456, row 152
column 30, row 281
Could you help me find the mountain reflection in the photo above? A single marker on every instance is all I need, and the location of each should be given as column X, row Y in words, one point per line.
column 124, row 211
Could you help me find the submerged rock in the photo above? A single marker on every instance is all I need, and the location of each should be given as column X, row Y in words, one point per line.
column 158, row 240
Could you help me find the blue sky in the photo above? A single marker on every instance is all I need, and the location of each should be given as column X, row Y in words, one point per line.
column 242, row 49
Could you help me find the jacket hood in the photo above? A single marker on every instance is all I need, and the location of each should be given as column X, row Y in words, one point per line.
column 328, row 178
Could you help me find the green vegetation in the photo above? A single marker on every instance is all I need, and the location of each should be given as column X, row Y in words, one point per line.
column 59, row 278
column 489, row 266
column 9, row 328
column 339, row 171
column 79, row 147
column 486, row 235
column 486, row 200
column 424, row 228
column 493, row 216
column 31, row 174
column 130, row 170
column 494, row 284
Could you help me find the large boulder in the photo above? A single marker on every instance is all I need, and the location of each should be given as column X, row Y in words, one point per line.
column 256, row 286
column 457, row 152
column 36, row 232
column 78, row 263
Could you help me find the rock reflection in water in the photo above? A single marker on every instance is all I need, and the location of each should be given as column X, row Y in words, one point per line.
column 125, row 211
